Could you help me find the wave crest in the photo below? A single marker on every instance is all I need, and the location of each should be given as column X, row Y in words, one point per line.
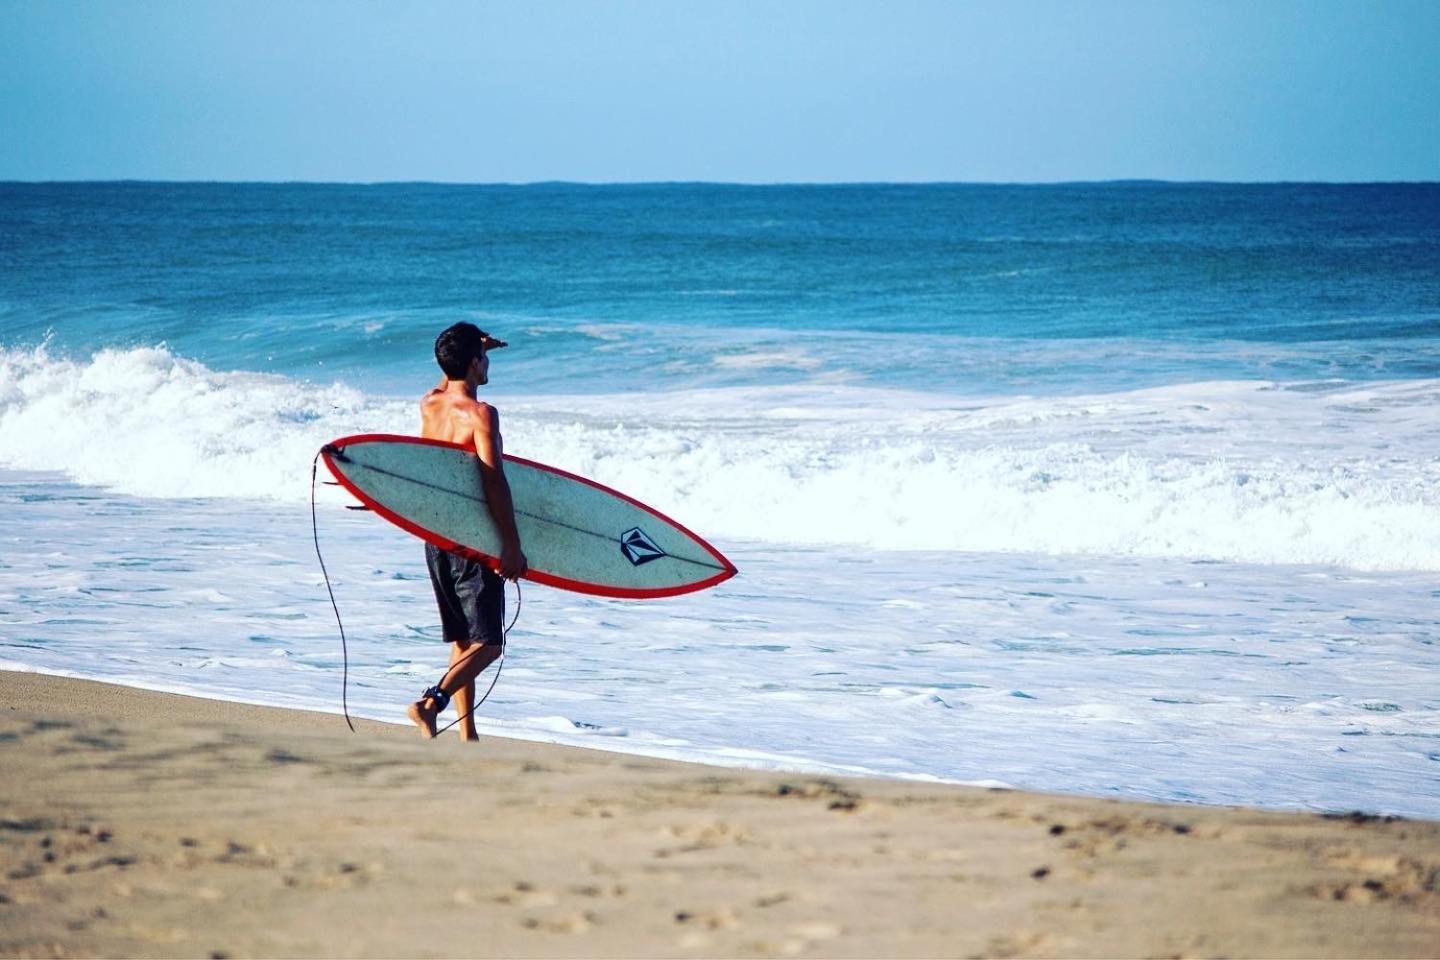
column 1324, row 474
column 145, row 422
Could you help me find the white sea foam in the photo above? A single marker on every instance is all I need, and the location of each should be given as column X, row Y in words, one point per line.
column 1143, row 678
column 768, row 360
column 145, row 422
column 1322, row 473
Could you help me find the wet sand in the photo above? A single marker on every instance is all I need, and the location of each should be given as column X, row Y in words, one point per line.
column 144, row 824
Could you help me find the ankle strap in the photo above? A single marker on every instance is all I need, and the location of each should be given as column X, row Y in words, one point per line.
column 441, row 698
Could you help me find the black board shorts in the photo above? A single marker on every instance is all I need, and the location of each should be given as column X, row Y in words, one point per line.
column 470, row 595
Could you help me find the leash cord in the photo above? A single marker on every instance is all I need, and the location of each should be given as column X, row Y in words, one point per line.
column 344, row 647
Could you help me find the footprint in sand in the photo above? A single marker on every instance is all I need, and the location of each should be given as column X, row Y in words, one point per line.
column 1017, row 943
column 722, row 919
column 598, row 890
column 568, row 923
column 702, row 836
column 526, row 895
column 803, row 937
column 1381, row 878
column 798, row 939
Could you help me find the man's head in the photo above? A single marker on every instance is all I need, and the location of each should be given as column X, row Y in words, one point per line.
column 461, row 345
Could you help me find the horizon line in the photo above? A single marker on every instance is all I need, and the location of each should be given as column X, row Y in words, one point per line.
column 1117, row 181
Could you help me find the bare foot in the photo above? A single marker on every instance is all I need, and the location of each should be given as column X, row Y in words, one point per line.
column 469, row 736
column 423, row 713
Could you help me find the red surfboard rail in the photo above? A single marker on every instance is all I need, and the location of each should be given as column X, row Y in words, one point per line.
column 727, row 570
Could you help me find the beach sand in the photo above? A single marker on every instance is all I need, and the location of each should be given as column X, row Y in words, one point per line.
column 144, row 824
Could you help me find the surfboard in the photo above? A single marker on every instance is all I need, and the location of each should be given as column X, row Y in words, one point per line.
column 577, row 534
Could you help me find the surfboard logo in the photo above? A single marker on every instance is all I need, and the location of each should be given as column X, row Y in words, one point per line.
column 638, row 548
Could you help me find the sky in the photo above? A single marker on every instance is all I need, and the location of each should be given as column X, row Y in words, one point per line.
column 799, row 91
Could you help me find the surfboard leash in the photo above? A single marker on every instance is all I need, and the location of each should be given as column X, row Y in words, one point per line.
column 344, row 647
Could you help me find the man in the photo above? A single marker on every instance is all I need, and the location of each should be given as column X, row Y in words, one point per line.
column 471, row 595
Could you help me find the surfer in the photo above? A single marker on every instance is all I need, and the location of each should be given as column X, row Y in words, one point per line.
column 470, row 594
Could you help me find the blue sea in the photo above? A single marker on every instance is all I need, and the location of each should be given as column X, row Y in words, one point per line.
column 1123, row 489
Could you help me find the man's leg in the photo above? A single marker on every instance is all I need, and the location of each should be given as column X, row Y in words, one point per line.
column 465, row 696
column 459, row 682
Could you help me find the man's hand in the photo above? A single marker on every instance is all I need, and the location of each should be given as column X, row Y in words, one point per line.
column 513, row 564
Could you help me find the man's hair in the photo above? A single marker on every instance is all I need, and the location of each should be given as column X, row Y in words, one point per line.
column 456, row 347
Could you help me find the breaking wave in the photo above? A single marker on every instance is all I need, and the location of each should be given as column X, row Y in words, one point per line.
column 1322, row 473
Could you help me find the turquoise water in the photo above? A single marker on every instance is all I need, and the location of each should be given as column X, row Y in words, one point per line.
column 1127, row 489
column 948, row 287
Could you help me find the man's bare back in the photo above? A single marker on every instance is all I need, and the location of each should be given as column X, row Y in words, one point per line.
column 451, row 413
column 453, row 417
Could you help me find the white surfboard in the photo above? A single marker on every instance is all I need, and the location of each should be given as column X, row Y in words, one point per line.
column 577, row 534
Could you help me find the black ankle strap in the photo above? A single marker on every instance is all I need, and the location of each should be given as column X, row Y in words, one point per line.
column 441, row 698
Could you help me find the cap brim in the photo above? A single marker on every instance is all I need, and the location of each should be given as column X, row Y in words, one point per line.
column 492, row 344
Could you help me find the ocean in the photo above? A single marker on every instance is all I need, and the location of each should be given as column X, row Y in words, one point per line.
column 1124, row 489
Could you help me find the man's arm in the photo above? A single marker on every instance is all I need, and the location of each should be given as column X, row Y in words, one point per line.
column 489, row 448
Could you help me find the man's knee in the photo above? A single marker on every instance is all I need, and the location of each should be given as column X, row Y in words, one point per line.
column 476, row 650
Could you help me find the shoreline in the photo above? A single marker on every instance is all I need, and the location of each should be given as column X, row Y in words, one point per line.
column 491, row 730
column 153, row 824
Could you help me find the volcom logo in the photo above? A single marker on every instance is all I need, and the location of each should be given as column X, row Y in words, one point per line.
column 638, row 548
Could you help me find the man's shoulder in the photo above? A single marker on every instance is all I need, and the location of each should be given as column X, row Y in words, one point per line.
column 429, row 398
column 477, row 410
column 486, row 413
column 461, row 404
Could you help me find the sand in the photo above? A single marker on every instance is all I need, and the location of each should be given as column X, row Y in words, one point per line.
column 144, row 824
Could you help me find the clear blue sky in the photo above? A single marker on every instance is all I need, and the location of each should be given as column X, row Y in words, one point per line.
column 730, row 91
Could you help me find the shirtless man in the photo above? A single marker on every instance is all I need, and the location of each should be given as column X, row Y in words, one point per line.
column 470, row 594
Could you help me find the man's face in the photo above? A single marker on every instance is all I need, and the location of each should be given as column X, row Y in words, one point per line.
column 481, row 367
